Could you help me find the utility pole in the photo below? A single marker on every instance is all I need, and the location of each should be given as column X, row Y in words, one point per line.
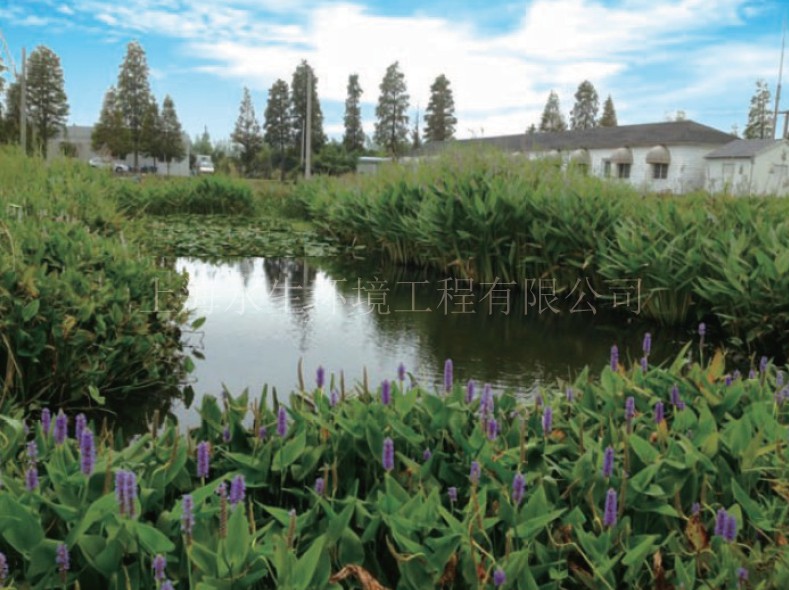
column 780, row 76
column 308, row 134
column 23, row 104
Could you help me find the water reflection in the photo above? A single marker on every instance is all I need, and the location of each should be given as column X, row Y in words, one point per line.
column 262, row 315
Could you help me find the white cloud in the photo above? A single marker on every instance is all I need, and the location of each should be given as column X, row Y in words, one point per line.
column 66, row 10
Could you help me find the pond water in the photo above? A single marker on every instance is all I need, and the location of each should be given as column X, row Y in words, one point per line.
column 265, row 314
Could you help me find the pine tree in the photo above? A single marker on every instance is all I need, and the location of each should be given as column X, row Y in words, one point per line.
column 391, row 129
column 760, row 120
column 416, row 141
column 151, row 132
column 532, row 129
column 298, row 98
column 202, row 143
column 172, row 143
column 587, row 104
column 247, row 132
column 608, row 119
column 552, row 118
column 440, row 114
column 134, row 95
column 353, row 140
column 47, row 106
column 278, row 131
column 110, row 133
column 12, row 113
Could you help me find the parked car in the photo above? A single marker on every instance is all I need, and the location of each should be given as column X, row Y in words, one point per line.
column 203, row 165
column 118, row 167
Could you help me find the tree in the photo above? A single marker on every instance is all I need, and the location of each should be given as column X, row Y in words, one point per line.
column 440, row 114
column 278, row 131
column 247, row 132
column 134, row 94
column 587, row 104
column 760, row 120
column 552, row 118
column 532, row 129
column 608, row 119
column 171, row 141
column 416, row 141
column 202, row 143
column 298, row 98
column 12, row 113
column 151, row 132
column 110, row 133
column 391, row 129
column 47, row 106
column 353, row 140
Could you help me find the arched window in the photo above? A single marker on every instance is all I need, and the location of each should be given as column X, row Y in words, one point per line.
column 623, row 158
column 659, row 158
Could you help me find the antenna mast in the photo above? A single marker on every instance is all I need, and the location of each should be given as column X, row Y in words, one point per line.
column 780, row 76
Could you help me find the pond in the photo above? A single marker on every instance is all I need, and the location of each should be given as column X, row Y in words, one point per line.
column 265, row 314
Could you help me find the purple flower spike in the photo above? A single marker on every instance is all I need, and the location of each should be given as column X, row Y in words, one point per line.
column 630, row 410
column 386, row 392
column 675, row 399
column 518, row 488
column 87, row 452
column 80, row 423
column 608, row 462
column 120, row 490
column 547, row 421
column 226, row 434
column 659, row 413
column 282, row 422
column 695, row 509
column 736, row 375
column 203, row 460
column 730, row 529
column 188, row 517
column 569, row 395
column 779, row 379
column 452, row 492
column 31, row 478
column 647, row 346
column 475, row 472
column 702, row 329
column 320, row 377
column 486, row 404
column 493, row 429
column 3, row 569
column 426, row 455
column 237, row 490
column 727, row 380
column 159, row 565
column 763, row 364
column 388, row 454
column 401, row 372
column 720, row 521
column 499, row 577
column 167, row 585
column 129, row 493
column 334, row 398
column 320, row 486
column 46, row 421
column 614, row 358
column 609, row 519
column 752, row 374
column 644, row 364
column 470, row 391
column 262, row 433
column 61, row 427
column 448, row 375
column 742, row 575
column 62, row 560
column 32, row 452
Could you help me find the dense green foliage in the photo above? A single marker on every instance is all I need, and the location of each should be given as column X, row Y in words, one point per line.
column 206, row 195
column 488, row 216
column 721, row 446
column 81, row 311
column 47, row 105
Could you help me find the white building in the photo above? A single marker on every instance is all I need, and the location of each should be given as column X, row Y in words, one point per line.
column 79, row 136
column 749, row 167
column 655, row 157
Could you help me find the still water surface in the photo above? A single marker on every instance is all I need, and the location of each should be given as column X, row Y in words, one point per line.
column 263, row 315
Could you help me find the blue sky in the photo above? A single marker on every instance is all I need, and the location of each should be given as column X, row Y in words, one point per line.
column 502, row 57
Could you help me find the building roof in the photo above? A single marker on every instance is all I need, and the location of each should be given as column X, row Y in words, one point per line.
column 643, row 135
column 742, row 148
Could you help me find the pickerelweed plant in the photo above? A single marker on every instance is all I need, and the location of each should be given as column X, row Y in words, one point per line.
column 602, row 498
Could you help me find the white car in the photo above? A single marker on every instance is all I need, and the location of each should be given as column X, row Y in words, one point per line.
column 102, row 163
column 204, row 165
